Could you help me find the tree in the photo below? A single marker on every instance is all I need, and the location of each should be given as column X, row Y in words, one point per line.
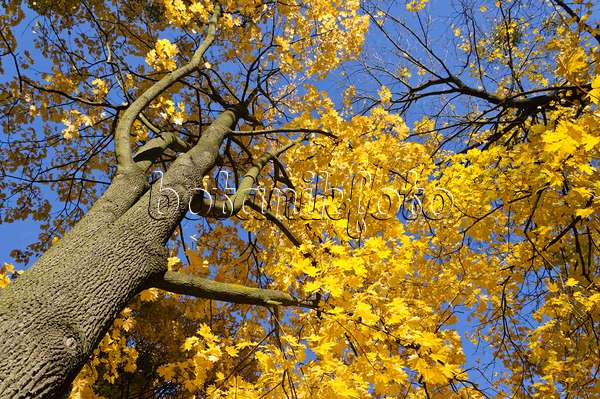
column 342, row 246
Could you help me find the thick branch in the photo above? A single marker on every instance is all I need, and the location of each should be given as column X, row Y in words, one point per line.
column 123, row 152
column 168, row 200
column 186, row 284
column 232, row 206
column 155, row 147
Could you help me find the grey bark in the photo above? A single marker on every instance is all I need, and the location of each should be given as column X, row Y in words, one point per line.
column 55, row 314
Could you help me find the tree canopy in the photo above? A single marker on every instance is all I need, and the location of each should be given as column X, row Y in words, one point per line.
column 406, row 203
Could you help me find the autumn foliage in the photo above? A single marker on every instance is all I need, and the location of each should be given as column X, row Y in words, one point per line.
column 429, row 194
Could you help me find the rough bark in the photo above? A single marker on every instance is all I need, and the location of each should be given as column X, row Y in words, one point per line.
column 125, row 189
column 54, row 315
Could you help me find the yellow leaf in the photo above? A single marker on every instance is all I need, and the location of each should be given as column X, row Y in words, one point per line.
column 365, row 312
column 9, row 267
column 594, row 94
column 584, row 213
column 206, row 333
column 190, row 343
column 589, row 141
column 307, row 267
column 172, row 262
column 198, row 264
column 127, row 324
column 231, row 351
column 149, row 295
column 416, row 5
column 311, row 286
column 385, row 95
column 571, row 282
column 429, row 340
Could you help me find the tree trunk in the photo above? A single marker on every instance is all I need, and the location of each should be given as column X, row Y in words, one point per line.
column 55, row 314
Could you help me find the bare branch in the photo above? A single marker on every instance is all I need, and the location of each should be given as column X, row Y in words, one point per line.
column 282, row 130
column 70, row 97
column 275, row 220
column 573, row 14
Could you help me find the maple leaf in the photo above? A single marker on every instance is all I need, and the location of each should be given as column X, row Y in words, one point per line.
column 365, row 312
